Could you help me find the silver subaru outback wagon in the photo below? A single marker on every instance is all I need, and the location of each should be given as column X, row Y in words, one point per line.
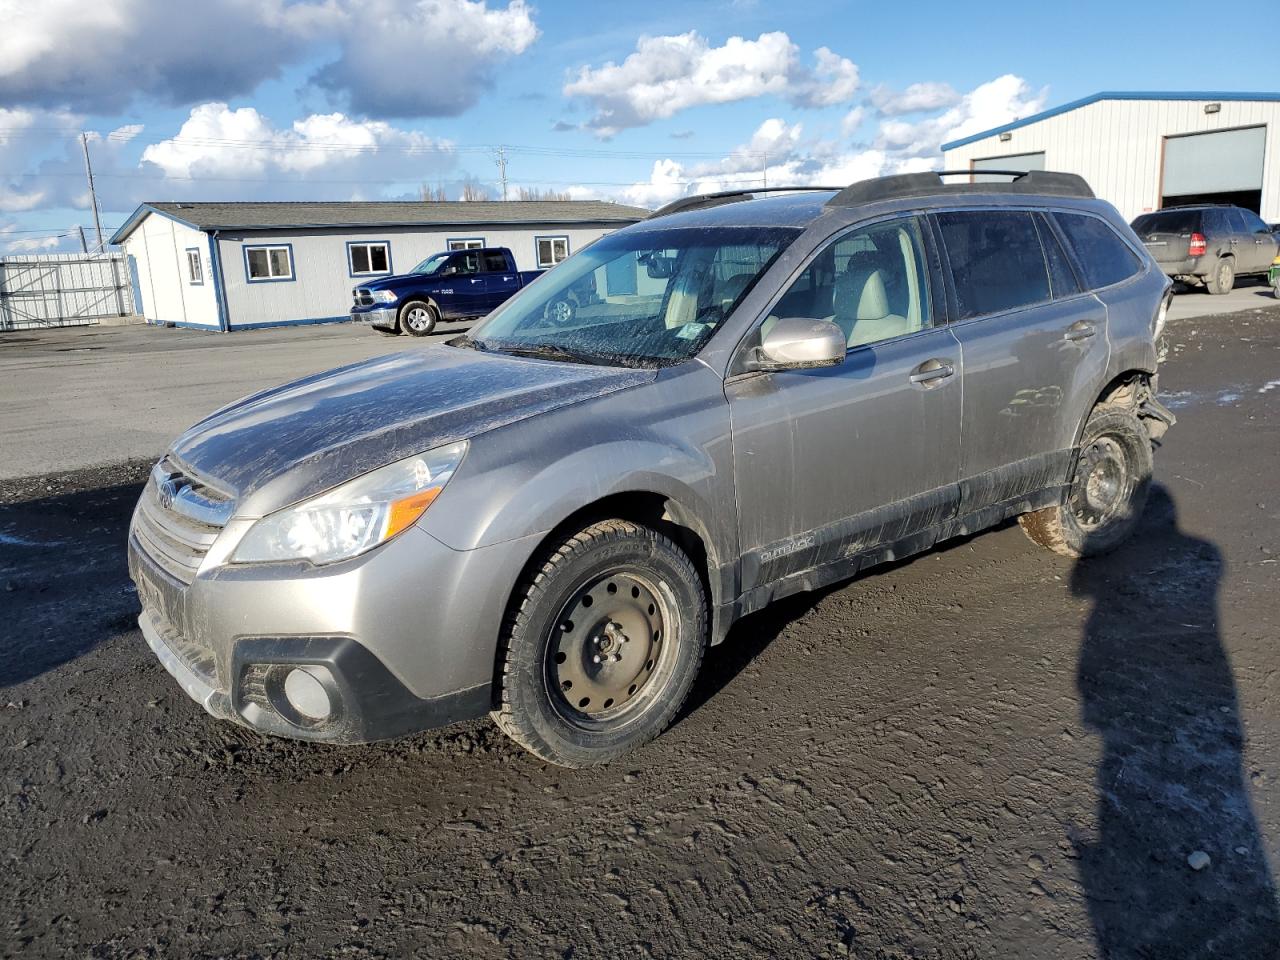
column 551, row 518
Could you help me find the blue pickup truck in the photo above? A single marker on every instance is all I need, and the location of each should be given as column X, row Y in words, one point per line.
column 454, row 285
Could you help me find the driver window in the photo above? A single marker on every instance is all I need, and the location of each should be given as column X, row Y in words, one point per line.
column 465, row 263
column 870, row 282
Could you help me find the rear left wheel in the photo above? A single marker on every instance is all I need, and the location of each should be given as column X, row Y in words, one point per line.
column 602, row 646
column 1108, row 489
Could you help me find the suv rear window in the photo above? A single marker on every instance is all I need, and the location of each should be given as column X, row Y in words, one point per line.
column 1102, row 255
column 996, row 261
column 1168, row 221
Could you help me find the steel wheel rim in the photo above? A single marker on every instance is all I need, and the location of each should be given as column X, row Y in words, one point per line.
column 608, row 647
column 419, row 319
column 1103, row 483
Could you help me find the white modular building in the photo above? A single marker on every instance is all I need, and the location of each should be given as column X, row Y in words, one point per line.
column 237, row 266
column 1144, row 151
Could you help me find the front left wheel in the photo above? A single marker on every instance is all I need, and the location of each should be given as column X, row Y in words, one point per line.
column 602, row 645
column 418, row 318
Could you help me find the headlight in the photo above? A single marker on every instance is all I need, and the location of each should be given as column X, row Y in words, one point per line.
column 354, row 517
column 383, row 296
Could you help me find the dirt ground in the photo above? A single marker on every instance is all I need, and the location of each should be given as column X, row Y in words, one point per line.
column 985, row 752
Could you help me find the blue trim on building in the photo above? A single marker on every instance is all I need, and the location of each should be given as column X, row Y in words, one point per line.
column 293, row 266
column 290, row 323
column 373, row 273
column 1110, row 95
column 219, row 283
column 199, row 260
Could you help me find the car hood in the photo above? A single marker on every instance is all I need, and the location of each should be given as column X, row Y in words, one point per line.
column 396, row 280
column 283, row 445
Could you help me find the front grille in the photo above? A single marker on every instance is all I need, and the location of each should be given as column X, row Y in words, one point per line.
column 362, row 297
column 177, row 520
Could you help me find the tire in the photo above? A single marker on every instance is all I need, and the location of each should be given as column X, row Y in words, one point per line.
column 618, row 591
column 418, row 318
column 1275, row 291
column 560, row 313
column 1108, row 488
column 1223, row 278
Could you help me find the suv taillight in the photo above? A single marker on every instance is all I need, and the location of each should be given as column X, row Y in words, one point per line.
column 1197, row 245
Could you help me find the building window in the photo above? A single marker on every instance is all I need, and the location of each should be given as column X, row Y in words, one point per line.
column 466, row 243
column 364, row 259
column 551, row 250
column 195, row 272
column 267, row 263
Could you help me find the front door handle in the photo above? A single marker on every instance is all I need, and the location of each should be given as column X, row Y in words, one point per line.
column 932, row 371
column 1080, row 331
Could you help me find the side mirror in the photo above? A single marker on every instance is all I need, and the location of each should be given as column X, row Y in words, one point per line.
column 797, row 343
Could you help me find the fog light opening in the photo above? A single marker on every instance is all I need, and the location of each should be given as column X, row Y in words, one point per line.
column 307, row 695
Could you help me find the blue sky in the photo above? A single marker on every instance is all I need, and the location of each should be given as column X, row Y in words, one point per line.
column 340, row 99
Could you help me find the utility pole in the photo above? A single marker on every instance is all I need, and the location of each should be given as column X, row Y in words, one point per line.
column 93, row 194
column 765, row 158
column 500, row 158
column 84, row 244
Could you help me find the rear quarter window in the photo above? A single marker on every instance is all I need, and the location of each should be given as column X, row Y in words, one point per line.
column 1102, row 255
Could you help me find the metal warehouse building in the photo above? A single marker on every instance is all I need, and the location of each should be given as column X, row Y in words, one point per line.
column 1143, row 151
column 236, row 266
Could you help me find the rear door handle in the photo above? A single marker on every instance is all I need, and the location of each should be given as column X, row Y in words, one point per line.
column 1082, row 330
column 932, row 371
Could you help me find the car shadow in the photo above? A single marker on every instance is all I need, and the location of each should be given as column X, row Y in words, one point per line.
column 64, row 581
column 1156, row 685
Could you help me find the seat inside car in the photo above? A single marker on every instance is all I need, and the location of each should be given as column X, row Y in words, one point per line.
column 861, row 302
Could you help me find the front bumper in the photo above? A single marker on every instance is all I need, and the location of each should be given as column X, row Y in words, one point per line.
column 402, row 638
column 382, row 317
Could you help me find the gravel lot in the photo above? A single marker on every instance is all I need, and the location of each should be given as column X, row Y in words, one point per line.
column 985, row 752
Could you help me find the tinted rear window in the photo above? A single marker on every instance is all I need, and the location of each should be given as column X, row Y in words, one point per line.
column 1102, row 255
column 1168, row 221
column 996, row 261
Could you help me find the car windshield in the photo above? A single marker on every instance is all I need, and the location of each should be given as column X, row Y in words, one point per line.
column 431, row 264
column 643, row 298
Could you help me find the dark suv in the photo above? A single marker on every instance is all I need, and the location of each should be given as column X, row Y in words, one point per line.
column 1208, row 245
column 551, row 519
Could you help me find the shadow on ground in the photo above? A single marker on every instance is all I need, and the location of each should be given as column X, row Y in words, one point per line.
column 1156, row 684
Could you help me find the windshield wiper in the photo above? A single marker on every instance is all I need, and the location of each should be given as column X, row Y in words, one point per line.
column 469, row 342
column 551, row 351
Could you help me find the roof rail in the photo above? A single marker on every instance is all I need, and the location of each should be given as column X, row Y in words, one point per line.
column 1044, row 182
column 703, row 200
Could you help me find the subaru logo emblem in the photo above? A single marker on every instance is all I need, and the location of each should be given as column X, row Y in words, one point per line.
column 168, row 490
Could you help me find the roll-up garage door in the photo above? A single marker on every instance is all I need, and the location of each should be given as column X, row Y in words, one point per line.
column 1223, row 167
column 1021, row 162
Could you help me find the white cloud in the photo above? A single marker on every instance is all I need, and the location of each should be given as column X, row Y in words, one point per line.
column 216, row 141
column 672, row 73
column 430, row 57
column 852, row 120
column 991, row 104
column 394, row 57
column 900, row 147
column 917, row 98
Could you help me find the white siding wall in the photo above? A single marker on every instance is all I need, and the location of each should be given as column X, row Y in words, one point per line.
column 322, row 286
column 1117, row 145
column 159, row 247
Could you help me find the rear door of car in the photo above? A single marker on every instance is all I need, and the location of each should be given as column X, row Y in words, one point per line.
column 1257, row 242
column 1033, row 339
column 500, row 280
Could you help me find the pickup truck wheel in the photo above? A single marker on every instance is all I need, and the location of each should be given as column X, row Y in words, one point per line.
column 1222, row 279
column 1108, row 489
column 601, row 646
column 560, row 313
column 418, row 318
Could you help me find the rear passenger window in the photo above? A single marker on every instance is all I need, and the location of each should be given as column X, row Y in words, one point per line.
column 996, row 261
column 1102, row 255
column 1061, row 277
